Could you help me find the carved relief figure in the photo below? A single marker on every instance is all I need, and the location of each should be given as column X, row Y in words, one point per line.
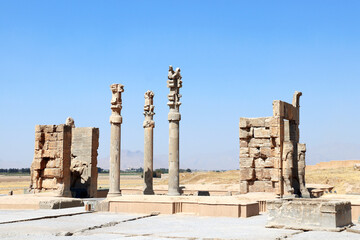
column 116, row 101
column 149, row 109
column 301, row 169
column 288, row 150
column 70, row 122
column 174, row 83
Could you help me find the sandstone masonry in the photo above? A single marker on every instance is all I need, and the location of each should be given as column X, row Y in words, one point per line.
column 269, row 151
column 65, row 160
column 50, row 169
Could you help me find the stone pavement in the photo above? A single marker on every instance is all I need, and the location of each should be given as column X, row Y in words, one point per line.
column 103, row 225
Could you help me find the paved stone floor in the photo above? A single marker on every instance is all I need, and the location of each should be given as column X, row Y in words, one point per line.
column 75, row 223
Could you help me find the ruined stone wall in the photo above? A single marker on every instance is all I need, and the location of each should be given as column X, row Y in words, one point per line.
column 260, row 154
column 65, row 160
column 84, row 173
column 271, row 157
column 50, row 169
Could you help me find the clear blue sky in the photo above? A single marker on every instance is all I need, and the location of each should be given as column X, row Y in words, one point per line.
column 58, row 58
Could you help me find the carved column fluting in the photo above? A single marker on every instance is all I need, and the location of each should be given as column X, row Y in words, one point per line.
column 148, row 125
column 174, row 83
column 115, row 140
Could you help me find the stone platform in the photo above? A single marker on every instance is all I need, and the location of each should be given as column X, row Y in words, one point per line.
column 309, row 214
column 38, row 201
column 354, row 199
column 215, row 206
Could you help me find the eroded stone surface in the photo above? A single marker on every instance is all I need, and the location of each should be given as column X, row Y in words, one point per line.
column 50, row 169
column 309, row 214
column 269, row 146
column 84, row 173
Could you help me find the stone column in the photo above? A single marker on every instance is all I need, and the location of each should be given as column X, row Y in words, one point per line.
column 148, row 125
column 115, row 140
column 174, row 83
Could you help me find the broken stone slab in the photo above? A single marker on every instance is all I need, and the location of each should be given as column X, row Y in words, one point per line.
column 61, row 203
column 309, row 214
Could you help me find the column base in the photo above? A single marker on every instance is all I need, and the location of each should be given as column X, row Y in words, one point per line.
column 148, row 192
column 173, row 193
column 115, row 194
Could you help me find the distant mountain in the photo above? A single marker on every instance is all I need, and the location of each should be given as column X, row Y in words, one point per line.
column 133, row 159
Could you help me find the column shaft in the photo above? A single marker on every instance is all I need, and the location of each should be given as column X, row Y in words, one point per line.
column 115, row 149
column 173, row 159
column 148, row 161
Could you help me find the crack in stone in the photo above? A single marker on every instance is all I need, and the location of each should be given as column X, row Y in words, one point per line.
column 45, row 217
column 287, row 236
column 109, row 224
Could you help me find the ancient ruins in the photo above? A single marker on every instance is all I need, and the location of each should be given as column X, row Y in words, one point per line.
column 115, row 141
column 271, row 157
column 309, row 214
column 174, row 83
column 148, row 125
column 271, row 160
column 50, row 169
column 65, row 160
column 84, row 172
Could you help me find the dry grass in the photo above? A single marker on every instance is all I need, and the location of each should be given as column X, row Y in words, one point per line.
column 345, row 180
column 15, row 183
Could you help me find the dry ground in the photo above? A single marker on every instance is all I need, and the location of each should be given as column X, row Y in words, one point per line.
column 345, row 180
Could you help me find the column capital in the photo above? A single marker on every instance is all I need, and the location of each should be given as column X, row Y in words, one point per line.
column 149, row 109
column 174, row 83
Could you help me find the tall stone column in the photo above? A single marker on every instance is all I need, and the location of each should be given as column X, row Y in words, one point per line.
column 148, row 125
column 174, row 83
column 115, row 140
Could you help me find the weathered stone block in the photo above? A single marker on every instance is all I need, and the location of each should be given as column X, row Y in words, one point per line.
column 247, row 174
column 60, row 128
column 271, row 162
column 244, row 187
column 37, row 164
column 275, row 132
column 257, row 122
column 49, row 153
column 268, row 186
column 52, row 146
column 244, row 123
column 264, row 173
column 259, row 163
column 52, row 172
column 244, row 152
column 243, row 144
column 309, row 214
column 261, row 132
column 267, row 122
column 49, row 128
column 276, row 152
column 246, row 133
column 56, row 163
column 246, row 162
column 259, row 142
column 257, row 186
column 276, row 122
column 254, row 152
column 274, row 174
column 265, row 151
column 49, row 183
